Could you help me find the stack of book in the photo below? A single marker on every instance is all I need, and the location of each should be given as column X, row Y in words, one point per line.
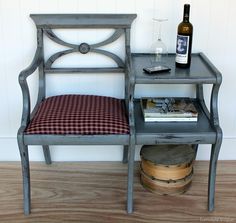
column 169, row 110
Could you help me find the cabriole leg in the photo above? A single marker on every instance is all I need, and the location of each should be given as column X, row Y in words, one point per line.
column 47, row 155
column 26, row 174
column 215, row 149
column 125, row 154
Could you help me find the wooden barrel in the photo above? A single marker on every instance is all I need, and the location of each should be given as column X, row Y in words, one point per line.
column 167, row 169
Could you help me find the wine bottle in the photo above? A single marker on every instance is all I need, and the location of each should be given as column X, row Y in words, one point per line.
column 184, row 40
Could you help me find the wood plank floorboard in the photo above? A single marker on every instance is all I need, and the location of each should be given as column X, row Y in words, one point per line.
column 96, row 192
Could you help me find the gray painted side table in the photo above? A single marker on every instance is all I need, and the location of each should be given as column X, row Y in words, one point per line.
column 205, row 131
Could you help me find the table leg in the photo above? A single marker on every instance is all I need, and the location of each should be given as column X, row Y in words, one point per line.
column 215, row 149
column 130, row 179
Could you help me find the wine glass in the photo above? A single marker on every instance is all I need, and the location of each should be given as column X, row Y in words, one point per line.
column 158, row 47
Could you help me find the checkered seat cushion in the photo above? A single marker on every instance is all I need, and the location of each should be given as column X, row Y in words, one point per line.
column 80, row 114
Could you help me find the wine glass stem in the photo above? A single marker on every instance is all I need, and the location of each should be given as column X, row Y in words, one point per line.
column 159, row 31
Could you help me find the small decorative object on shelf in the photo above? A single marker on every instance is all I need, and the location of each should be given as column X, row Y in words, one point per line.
column 184, row 40
column 169, row 109
column 158, row 47
column 167, row 169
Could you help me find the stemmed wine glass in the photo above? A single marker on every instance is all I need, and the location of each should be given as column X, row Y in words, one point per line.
column 158, row 47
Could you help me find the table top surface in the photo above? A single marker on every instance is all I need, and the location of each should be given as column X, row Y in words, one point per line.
column 200, row 71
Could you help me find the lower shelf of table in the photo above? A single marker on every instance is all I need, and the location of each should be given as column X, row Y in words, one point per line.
column 200, row 132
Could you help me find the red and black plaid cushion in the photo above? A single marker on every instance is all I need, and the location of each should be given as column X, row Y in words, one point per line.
column 80, row 114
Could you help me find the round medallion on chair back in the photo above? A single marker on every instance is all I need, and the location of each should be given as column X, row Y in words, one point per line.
column 167, row 169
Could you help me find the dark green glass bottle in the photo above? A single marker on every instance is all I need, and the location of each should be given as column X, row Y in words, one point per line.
column 184, row 40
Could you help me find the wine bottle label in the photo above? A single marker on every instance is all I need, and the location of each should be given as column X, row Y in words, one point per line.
column 182, row 48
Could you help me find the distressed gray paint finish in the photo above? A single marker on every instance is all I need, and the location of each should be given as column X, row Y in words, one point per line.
column 76, row 139
column 68, row 21
column 129, row 94
column 84, row 48
column 206, row 131
column 25, row 170
column 47, row 154
column 85, row 70
column 45, row 23
column 202, row 71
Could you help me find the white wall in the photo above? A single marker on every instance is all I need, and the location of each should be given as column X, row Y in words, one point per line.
column 214, row 34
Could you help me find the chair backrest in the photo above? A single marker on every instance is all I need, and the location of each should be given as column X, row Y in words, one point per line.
column 120, row 23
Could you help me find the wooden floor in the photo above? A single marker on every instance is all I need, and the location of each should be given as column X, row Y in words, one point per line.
column 96, row 192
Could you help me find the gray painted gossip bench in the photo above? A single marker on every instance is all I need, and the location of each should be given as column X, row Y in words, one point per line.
column 99, row 120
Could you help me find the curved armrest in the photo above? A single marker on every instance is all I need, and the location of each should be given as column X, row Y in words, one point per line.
column 24, row 85
column 32, row 67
